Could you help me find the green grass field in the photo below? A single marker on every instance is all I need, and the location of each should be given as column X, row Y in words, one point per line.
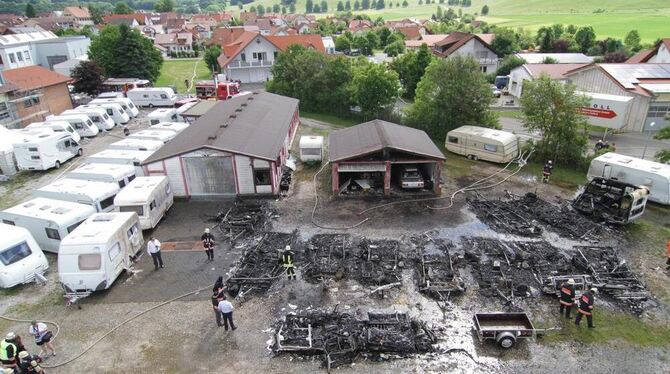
column 174, row 72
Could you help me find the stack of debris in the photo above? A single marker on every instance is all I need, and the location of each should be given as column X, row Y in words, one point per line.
column 437, row 276
column 381, row 262
column 501, row 216
column 245, row 218
column 327, row 256
column 341, row 338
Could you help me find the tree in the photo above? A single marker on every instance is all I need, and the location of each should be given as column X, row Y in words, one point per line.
column 549, row 60
column 380, row 4
column 373, row 88
column 552, row 109
column 309, row 6
column 164, row 6
column 545, row 39
column 411, row 67
column 96, row 14
column 316, row 8
column 253, row 9
column 88, row 78
column 340, row 6
column 342, row 43
column 373, row 4
column 508, row 64
column 347, row 5
column 395, row 48
column 504, row 41
column 365, row 4
column 383, row 33
column 453, row 92
column 585, row 38
column 664, row 154
column 291, row 8
column 405, row 4
column 324, row 6
column 122, row 8
column 357, row 5
column 211, row 58
column 373, row 40
column 485, row 10
column 30, row 10
column 283, row 10
column 633, row 40
column 276, row 8
column 615, row 57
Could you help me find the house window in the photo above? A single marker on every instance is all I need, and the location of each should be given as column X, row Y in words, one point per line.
column 12, row 59
column 260, row 56
column 27, row 103
column 4, row 111
column 262, row 177
column 276, row 54
column 484, row 69
column 19, row 56
column 52, row 234
column 36, row 100
column 26, row 55
column 114, row 252
column 243, row 57
column 481, row 54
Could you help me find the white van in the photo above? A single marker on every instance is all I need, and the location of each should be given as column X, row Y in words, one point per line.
column 99, row 195
column 152, row 96
column 482, row 143
column 311, row 148
column 175, row 127
column 81, row 123
column 120, row 174
column 653, row 175
column 122, row 157
column 48, row 220
column 125, row 103
column 99, row 116
column 45, row 151
column 115, row 111
column 149, row 197
column 20, row 257
column 151, row 134
column 57, row 126
column 95, row 253
column 163, row 115
column 133, row 144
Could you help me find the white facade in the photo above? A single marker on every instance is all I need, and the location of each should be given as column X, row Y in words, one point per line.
column 253, row 63
column 481, row 53
column 662, row 56
column 516, row 78
column 54, row 51
column 40, row 48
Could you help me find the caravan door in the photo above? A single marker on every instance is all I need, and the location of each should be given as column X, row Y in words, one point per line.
column 607, row 171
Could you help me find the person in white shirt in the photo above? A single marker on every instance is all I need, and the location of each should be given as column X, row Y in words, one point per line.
column 43, row 336
column 154, row 249
column 226, row 309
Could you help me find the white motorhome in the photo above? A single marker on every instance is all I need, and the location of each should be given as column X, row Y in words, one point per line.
column 7, row 160
column 114, row 110
column 125, row 103
column 482, row 143
column 149, row 197
column 57, row 126
column 110, row 95
column 98, row 251
column 163, row 115
column 81, row 123
column 653, row 175
column 99, row 116
column 181, row 109
column 45, row 151
column 121, row 157
column 175, row 127
column 152, row 96
column 48, row 220
column 99, row 195
column 20, row 257
column 151, row 134
column 133, row 144
column 120, row 174
column 311, row 148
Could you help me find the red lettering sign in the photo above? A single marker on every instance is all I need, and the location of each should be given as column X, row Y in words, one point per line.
column 600, row 113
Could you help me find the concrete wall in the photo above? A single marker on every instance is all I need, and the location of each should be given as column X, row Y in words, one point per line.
column 69, row 47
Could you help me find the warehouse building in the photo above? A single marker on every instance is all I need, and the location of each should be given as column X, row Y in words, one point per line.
column 237, row 148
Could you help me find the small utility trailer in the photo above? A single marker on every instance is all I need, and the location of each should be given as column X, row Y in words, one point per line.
column 504, row 328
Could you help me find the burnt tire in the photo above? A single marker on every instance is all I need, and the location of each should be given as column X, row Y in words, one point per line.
column 506, row 342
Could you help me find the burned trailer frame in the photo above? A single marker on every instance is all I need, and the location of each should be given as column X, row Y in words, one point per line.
column 437, row 277
column 381, row 262
column 244, row 218
column 612, row 201
column 327, row 256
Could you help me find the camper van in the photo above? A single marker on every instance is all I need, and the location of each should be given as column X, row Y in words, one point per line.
column 122, row 85
column 481, row 143
column 48, row 220
column 95, row 253
column 99, row 116
column 110, row 95
column 151, row 134
column 653, row 175
column 20, row 257
column 175, row 127
column 7, row 160
column 119, row 174
column 152, row 96
column 149, row 197
column 99, row 195
column 121, row 157
column 125, row 103
column 45, row 151
column 311, row 148
column 182, row 107
column 57, row 126
column 81, row 123
column 163, row 115
column 133, row 144
column 115, row 111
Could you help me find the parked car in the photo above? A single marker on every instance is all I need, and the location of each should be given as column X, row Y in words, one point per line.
column 495, row 91
column 411, row 178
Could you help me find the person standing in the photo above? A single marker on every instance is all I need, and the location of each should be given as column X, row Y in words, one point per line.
column 586, row 307
column 10, row 347
column 547, row 171
column 567, row 297
column 226, row 309
column 667, row 250
column 217, row 297
column 154, row 249
column 208, row 242
column 43, row 336
column 287, row 262
column 29, row 363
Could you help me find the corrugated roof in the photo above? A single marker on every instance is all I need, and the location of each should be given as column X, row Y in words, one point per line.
column 31, row 77
column 199, row 108
column 376, row 135
column 258, row 129
column 561, row 58
column 554, row 71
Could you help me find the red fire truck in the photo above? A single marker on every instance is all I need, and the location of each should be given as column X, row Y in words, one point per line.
column 206, row 90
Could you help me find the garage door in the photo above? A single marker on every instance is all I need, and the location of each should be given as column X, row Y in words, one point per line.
column 210, row 175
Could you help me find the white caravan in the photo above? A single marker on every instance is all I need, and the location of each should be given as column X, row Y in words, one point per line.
column 7, row 160
column 48, row 220
column 184, row 108
column 152, row 96
column 45, row 151
column 133, row 144
column 311, row 148
column 56, row 126
column 119, row 174
column 99, row 195
column 81, row 123
column 20, row 257
column 110, row 95
column 653, row 175
column 482, row 143
column 115, row 111
column 163, row 115
column 95, row 253
column 122, row 157
column 149, row 197
column 175, row 127
column 125, row 103
column 151, row 134
column 98, row 115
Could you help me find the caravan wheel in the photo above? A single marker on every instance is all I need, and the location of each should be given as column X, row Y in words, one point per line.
column 57, row 165
column 80, row 152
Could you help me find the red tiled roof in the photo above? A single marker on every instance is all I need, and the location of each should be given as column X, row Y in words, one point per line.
column 456, row 40
column 139, row 17
column 32, row 77
column 307, row 40
column 411, row 33
column 554, row 71
column 486, row 38
column 229, row 51
column 225, row 35
column 642, row 56
column 427, row 39
column 262, row 23
column 79, row 12
column 247, row 16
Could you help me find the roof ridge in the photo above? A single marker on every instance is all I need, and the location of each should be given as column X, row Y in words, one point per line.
column 380, row 126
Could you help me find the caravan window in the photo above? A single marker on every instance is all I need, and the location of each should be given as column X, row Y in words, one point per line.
column 133, row 231
column 139, row 209
column 110, row 112
column 90, row 261
column 122, row 183
column 453, row 139
column 114, row 251
column 152, row 205
column 163, row 96
column 72, row 227
column 15, row 254
column 130, row 178
column 52, row 233
column 104, row 204
column 7, row 222
column 490, row 147
column 68, row 144
column 78, row 125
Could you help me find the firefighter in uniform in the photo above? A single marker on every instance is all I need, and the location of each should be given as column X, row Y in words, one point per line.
column 547, row 171
column 586, row 307
column 287, row 262
column 208, row 242
column 567, row 297
column 9, row 350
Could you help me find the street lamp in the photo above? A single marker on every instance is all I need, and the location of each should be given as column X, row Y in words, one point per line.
column 646, row 143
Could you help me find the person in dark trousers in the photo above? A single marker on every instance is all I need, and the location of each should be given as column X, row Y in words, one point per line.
column 154, row 249
column 586, row 307
column 29, row 363
column 126, row 130
column 567, row 297
column 546, row 171
column 208, row 242
column 10, row 347
column 217, row 297
column 287, row 262
column 226, row 309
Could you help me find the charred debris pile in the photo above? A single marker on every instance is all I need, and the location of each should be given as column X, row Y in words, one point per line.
column 245, row 218
column 436, row 270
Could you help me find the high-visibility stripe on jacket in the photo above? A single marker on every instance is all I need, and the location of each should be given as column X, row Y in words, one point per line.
column 287, row 260
column 567, row 294
column 4, row 355
column 586, row 304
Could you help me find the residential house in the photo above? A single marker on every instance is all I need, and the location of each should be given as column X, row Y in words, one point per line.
column 302, row 28
column 18, row 50
column 9, row 19
column 283, row 31
column 328, row 44
column 174, row 25
column 199, row 31
column 428, row 39
column 175, row 42
column 133, row 20
column 530, row 72
column 237, row 148
column 464, row 44
column 81, row 15
column 150, row 31
column 659, row 54
column 164, row 17
column 357, row 26
column 264, row 25
column 412, row 32
column 559, row 58
column 247, row 16
column 225, row 35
